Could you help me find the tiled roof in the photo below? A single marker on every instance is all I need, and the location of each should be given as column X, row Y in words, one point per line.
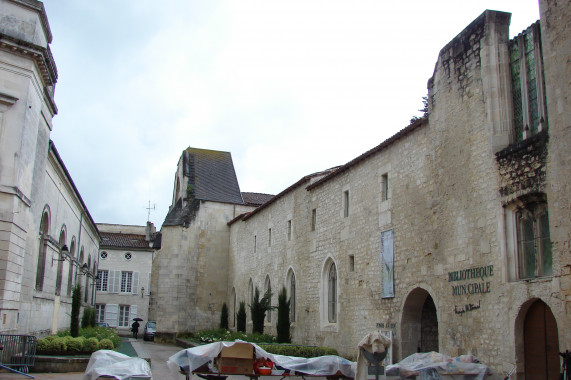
column 119, row 240
column 211, row 175
column 256, row 199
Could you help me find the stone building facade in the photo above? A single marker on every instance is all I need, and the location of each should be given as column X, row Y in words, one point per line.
column 124, row 274
column 453, row 235
column 48, row 240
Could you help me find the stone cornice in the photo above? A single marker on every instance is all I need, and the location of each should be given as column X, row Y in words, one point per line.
column 42, row 56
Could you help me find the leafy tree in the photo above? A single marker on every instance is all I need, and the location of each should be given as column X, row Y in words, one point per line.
column 75, row 308
column 241, row 317
column 258, row 310
column 283, row 325
column 224, row 317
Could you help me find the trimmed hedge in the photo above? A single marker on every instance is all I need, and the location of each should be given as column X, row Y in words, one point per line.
column 298, row 351
column 90, row 340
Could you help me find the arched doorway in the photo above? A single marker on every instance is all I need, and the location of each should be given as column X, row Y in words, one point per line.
column 419, row 326
column 540, row 343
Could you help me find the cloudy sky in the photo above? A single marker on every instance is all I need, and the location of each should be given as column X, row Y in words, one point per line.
column 288, row 87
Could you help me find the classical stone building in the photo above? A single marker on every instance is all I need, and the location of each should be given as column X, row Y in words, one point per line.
column 453, row 235
column 124, row 274
column 48, row 240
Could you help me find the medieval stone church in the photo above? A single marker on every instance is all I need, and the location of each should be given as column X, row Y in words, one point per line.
column 453, row 235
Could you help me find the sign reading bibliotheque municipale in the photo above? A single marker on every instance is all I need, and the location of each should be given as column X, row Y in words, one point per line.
column 477, row 280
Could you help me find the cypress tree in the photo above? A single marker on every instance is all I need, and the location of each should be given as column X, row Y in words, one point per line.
column 75, row 308
column 224, row 317
column 241, row 317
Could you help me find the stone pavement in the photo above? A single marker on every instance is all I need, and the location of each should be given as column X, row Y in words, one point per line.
column 158, row 353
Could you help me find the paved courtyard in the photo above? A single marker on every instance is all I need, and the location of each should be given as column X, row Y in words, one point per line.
column 159, row 354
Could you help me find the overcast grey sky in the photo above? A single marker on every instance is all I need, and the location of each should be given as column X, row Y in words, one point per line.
column 288, row 87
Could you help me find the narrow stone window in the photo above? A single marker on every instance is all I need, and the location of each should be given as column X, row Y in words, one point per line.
column 313, row 219
column 528, row 86
column 269, row 237
column 41, row 266
column 255, row 243
column 533, row 241
column 346, row 203
column 268, row 290
column 291, row 277
column 385, row 184
column 351, row 263
column 60, row 261
column 332, row 294
column 289, row 230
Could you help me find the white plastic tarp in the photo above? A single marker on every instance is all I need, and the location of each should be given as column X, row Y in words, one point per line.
column 193, row 358
column 426, row 363
column 120, row 366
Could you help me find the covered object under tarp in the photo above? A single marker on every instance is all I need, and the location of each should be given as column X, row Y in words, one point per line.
column 191, row 359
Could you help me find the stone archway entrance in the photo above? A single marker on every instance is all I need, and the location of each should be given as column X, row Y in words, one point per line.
column 419, row 325
column 540, row 343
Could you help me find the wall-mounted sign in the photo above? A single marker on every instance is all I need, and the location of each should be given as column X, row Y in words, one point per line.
column 387, row 259
column 473, row 275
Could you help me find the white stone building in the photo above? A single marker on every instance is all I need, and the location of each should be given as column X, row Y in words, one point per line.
column 48, row 240
column 124, row 273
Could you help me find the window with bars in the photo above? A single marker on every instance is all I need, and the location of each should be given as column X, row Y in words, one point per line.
column 103, row 280
column 126, row 282
column 100, row 313
column 124, row 313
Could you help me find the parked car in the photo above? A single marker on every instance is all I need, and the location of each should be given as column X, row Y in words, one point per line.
column 150, row 328
column 102, row 324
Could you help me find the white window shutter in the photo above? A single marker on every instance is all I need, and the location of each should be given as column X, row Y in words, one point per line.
column 117, row 282
column 133, row 313
column 111, row 311
column 111, row 282
column 135, row 283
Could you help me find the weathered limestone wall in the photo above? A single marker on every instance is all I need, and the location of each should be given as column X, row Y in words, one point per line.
column 446, row 208
column 188, row 282
column 555, row 27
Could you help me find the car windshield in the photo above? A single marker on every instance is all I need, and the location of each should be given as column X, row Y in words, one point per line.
column 151, row 324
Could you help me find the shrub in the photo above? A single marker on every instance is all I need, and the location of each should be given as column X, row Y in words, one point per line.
column 74, row 345
column 42, row 346
column 283, row 325
column 224, row 317
column 258, row 310
column 90, row 344
column 105, row 344
column 299, row 351
column 209, row 336
column 241, row 317
column 57, row 346
column 51, row 337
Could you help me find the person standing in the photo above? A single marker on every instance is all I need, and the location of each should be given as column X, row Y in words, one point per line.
column 135, row 329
